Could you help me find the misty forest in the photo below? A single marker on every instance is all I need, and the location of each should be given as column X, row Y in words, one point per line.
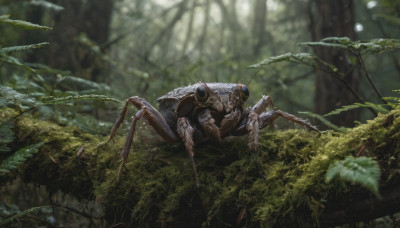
column 200, row 113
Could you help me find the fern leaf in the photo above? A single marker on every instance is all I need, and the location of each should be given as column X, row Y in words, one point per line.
column 19, row 215
column 18, row 158
column 8, row 94
column 363, row 170
column 63, row 100
column 323, row 44
column 23, row 48
column 300, row 57
column 22, row 24
column 14, row 61
column 79, row 84
column 324, row 121
column 378, row 107
column 47, row 4
column 374, row 45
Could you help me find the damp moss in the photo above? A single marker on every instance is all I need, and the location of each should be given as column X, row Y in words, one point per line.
column 282, row 184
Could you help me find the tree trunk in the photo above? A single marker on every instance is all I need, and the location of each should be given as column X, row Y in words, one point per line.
column 66, row 52
column 259, row 32
column 334, row 18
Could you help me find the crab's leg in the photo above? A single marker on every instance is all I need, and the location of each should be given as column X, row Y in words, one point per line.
column 267, row 118
column 257, row 119
column 250, row 124
column 185, row 131
column 153, row 117
column 207, row 123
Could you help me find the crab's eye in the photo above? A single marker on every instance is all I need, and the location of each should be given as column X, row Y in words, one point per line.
column 245, row 92
column 201, row 93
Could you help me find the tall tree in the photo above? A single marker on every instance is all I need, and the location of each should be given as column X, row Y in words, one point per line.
column 259, row 31
column 334, row 18
column 79, row 27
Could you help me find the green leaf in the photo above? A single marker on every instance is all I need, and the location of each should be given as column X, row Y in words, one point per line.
column 14, row 61
column 19, row 215
column 324, row 121
column 47, row 4
column 18, row 158
column 63, row 100
column 300, row 57
column 378, row 107
column 374, row 45
column 8, row 94
column 363, row 170
column 23, row 48
column 333, row 45
column 22, row 24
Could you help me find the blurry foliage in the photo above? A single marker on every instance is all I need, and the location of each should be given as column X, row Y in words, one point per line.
column 358, row 50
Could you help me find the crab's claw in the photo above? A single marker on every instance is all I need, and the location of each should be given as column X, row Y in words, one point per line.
column 218, row 106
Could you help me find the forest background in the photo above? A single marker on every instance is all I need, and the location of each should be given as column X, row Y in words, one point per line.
column 120, row 48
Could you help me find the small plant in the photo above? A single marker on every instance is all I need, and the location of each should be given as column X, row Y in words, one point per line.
column 363, row 170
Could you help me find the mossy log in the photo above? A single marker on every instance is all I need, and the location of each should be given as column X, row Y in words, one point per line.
column 281, row 185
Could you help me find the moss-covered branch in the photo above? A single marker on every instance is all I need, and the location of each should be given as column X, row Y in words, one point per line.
column 283, row 184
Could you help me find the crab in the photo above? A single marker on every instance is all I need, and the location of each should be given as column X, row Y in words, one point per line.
column 200, row 112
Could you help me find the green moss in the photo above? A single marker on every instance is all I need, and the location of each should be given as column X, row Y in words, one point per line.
column 282, row 184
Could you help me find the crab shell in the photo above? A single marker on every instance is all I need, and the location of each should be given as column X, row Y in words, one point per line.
column 182, row 102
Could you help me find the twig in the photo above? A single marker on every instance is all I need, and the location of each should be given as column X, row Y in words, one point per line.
column 359, row 57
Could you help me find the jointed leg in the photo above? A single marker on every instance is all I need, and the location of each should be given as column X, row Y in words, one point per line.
column 129, row 139
column 185, row 131
column 262, row 104
column 267, row 118
column 153, row 117
column 256, row 119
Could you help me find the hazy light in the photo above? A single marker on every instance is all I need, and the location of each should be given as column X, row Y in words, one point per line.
column 372, row 4
column 358, row 27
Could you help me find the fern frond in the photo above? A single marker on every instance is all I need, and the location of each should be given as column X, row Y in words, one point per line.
column 19, row 215
column 73, row 83
column 324, row 121
column 6, row 135
column 23, row 47
column 63, row 100
column 285, row 57
column 47, row 4
column 22, row 24
column 378, row 107
column 14, row 61
column 374, row 45
column 363, row 170
column 8, row 94
column 18, row 158
column 300, row 58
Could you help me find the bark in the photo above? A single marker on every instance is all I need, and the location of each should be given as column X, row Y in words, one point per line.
column 334, row 18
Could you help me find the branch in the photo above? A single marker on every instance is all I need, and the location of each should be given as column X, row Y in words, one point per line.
column 282, row 184
column 365, row 210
